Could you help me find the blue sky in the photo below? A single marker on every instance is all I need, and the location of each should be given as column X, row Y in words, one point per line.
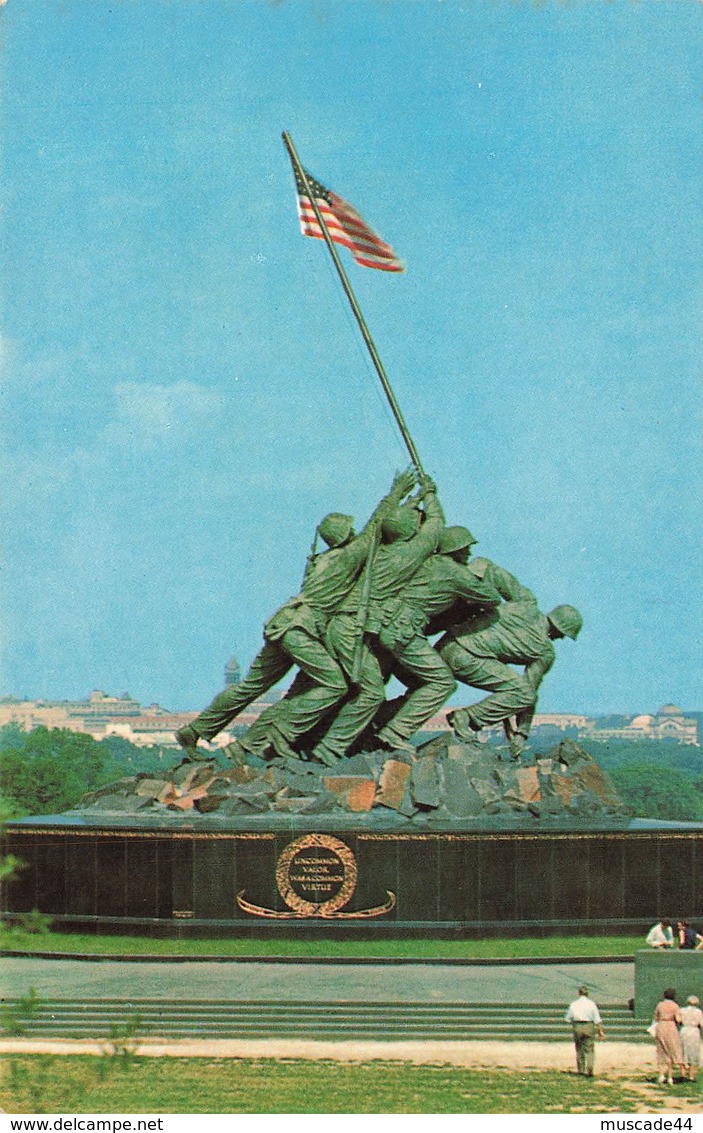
column 185, row 393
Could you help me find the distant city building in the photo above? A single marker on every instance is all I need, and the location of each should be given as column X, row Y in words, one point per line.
column 100, row 708
column 669, row 723
column 559, row 721
column 562, row 721
column 101, row 715
column 233, row 672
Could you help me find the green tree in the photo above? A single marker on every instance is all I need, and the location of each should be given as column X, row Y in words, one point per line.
column 48, row 770
column 666, row 753
column 658, row 792
column 127, row 758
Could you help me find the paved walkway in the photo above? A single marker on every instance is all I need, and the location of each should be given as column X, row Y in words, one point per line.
column 284, row 982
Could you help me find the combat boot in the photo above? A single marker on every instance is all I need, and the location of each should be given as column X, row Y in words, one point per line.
column 188, row 738
column 462, row 725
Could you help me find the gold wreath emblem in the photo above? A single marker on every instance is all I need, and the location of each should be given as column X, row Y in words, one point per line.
column 316, row 874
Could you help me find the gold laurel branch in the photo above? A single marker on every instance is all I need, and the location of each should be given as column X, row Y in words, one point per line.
column 378, row 911
column 261, row 911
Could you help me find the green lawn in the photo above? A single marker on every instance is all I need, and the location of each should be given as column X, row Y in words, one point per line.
column 20, row 940
column 85, row 1084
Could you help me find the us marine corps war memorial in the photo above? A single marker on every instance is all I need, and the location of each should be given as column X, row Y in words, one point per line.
column 325, row 817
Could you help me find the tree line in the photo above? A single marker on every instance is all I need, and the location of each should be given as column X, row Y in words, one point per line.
column 48, row 770
column 657, row 778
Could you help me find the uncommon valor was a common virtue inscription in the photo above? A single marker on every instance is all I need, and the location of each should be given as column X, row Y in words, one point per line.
column 316, row 876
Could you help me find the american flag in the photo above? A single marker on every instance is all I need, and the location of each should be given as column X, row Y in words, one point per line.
column 344, row 225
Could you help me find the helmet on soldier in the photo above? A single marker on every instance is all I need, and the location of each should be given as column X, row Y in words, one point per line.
column 455, row 539
column 336, row 528
column 402, row 523
column 567, row 620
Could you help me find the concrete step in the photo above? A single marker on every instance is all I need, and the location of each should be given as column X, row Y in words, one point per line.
column 320, row 1020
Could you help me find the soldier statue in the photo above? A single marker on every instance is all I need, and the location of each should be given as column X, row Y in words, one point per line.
column 408, row 538
column 480, row 651
column 295, row 634
column 437, row 585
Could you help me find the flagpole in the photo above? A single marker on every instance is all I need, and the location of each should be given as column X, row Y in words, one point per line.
column 387, row 388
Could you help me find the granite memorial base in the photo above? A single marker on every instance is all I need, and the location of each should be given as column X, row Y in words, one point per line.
column 302, row 876
column 657, row 969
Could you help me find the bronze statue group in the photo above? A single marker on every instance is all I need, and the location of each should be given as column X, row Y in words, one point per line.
column 367, row 610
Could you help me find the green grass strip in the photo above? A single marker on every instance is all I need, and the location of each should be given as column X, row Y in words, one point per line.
column 512, row 948
column 114, row 1084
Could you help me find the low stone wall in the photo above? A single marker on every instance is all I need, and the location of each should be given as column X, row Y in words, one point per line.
column 657, row 969
column 239, row 877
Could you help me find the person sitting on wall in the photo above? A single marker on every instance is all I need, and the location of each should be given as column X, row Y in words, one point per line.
column 688, row 937
column 660, row 935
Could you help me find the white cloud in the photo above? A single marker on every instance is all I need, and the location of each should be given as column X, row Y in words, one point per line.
column 150, row 415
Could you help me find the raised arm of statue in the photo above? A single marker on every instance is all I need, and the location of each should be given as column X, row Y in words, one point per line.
column 357, row 552
column 403, row 484
column 434, row 513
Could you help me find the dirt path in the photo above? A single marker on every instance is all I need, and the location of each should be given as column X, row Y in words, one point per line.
column 614, row 1058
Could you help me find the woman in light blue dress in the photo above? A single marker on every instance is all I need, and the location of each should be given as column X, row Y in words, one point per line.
column 690, row 1035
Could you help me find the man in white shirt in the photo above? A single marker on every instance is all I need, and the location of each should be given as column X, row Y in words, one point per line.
column 660, row 935
column 585, row 1021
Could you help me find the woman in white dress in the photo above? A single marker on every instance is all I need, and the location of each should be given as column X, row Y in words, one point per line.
column 690, row 1035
